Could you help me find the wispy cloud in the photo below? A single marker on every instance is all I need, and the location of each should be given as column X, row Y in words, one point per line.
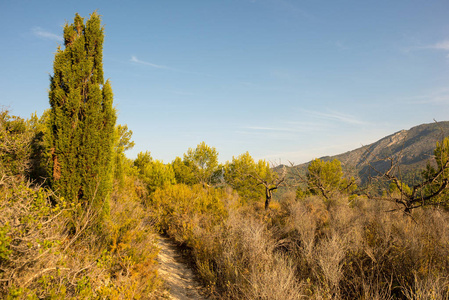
column 289, row 127
column 294, row 8
column 436, row 97
column 334, row 116
column 309, row 153
column 440, row 46
column 261, row 128
column 134, row 59
column 443, row 45
column 43, row 34
column 284, row 131
column 268, row 132
column 141, row 62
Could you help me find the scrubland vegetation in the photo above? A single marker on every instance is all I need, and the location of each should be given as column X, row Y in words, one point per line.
column 79, row 220
column 72, row 217
column 50, row 248
column 345, row 246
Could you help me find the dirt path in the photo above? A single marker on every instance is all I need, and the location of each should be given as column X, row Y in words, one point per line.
column 176, row 273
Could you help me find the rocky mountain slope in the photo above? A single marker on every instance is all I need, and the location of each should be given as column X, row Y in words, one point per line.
column 411, row 149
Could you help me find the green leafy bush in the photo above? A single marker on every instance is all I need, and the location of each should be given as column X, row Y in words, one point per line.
column 15, row 144
column 180, row 209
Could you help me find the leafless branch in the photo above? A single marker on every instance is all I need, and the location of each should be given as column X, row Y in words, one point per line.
column 416, row 197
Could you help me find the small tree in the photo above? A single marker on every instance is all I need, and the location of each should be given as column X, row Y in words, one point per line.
column 122, row 142
column 154, row 173
column 143, row 159
column 271, row 182
column 15, row 145
column 251, row 180
column 182, row 172
column 326, row 178
column 202, row 162
column 236, row 174
column 433, row 190
column 82, row 119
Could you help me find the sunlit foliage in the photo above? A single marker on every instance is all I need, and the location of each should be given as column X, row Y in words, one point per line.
column 154, row 173
column 325, row 178
column 82, row 119
column 244, row 175
column 202, row 162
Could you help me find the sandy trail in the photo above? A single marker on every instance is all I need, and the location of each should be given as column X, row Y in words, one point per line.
column 176, row 273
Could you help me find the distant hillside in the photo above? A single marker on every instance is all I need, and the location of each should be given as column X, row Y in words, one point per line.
column 412, row 148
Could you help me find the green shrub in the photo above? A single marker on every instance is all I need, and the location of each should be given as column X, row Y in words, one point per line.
column 181, row 208
column 5, row 241
column 15, row 144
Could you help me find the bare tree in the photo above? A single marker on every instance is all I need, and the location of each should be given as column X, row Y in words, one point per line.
column 270, row 185
column 428, row 192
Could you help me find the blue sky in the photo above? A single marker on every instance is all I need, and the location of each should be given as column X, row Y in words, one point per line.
column 285, row 80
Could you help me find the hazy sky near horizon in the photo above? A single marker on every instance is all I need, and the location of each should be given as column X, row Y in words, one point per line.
column 285, row 80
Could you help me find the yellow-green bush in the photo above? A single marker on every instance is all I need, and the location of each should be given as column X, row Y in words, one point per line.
column 31, row 237
column 52, row 249
column 131, row 248
column 234, row 252
column 180, row 209
column 40, row 258
column 353, row 249
column 15, row 144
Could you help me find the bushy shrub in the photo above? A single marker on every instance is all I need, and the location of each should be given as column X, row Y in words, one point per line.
column 32, row 232
column 181, row 209
column 236, row 255
column 154, row 173
column 41, row 258
column 52, row 249
column 15, row 145
column 362, row 251
column 306, row 249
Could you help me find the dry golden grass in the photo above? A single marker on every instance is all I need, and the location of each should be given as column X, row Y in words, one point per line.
column 348, row 249
column 362, row 251
column 41, row 257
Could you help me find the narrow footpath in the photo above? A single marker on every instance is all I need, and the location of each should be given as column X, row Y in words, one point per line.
column 176, row 273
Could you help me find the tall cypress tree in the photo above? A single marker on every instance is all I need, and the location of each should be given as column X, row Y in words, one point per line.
column 82, row 118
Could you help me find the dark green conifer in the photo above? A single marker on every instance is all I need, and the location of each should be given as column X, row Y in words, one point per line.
column 82, row 119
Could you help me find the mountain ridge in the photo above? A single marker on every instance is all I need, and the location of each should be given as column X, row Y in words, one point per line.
column 411, row 149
